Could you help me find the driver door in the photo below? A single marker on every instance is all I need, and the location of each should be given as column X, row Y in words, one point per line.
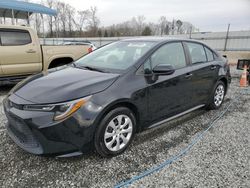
column 169, row 94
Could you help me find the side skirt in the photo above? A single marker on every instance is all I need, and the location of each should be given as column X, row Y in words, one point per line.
column 175, row 116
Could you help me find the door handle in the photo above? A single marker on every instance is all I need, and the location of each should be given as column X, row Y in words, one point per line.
column 30, row 51
column 213, row 67
column 188, row 75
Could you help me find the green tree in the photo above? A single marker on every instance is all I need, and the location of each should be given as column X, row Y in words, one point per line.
column 147, row 31
column 118, row 34
column 106, row 33
column 112, row 34
column 99, row 33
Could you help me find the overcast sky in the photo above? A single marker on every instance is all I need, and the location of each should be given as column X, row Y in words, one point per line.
column 207, row 15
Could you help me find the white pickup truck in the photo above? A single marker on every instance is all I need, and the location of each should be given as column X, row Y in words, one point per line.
column 22, row 55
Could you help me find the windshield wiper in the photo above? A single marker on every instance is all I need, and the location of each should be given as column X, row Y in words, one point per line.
column 92, row 68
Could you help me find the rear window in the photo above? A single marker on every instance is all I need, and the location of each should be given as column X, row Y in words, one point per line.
column 14, row 38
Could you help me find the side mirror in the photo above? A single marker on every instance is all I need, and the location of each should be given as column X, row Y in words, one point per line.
column 163, row 69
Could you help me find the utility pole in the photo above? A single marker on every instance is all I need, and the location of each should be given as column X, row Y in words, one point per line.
column 190, row 33
column 173, row 27
column 225, row 46
column 13, row 17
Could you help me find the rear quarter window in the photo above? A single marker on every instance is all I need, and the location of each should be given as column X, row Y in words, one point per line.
column 210, row 54
column 15, row 38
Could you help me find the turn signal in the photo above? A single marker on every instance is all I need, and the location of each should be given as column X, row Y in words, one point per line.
column 69, row 109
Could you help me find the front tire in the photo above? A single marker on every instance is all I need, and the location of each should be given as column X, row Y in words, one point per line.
column 218, row 96
column 115, row 133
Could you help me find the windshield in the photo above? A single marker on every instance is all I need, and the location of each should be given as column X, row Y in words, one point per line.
column 115, row 57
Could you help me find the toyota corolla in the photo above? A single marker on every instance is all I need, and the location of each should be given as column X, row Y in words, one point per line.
column 101, row 100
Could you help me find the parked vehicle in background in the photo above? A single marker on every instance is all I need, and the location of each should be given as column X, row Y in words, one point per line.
column 105, row 97
column 21, row 53
column 91, row 46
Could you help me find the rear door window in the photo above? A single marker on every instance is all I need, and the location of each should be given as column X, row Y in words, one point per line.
column 197, row 52
column 15, row 38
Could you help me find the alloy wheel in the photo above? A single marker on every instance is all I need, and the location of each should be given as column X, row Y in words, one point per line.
column 118, row 133
column 219, row 95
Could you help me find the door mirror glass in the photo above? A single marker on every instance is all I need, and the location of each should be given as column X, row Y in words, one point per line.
column 163, row 69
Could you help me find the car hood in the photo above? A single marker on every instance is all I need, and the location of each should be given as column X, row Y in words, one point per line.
column 65, row 84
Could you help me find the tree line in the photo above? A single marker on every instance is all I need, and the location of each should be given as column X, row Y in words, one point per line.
column 70, row 22
column 137, row 26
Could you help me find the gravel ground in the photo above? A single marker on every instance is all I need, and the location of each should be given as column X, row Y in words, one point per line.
column 220, row 159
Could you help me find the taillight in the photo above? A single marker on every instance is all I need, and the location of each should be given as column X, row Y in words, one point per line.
column 90, row 50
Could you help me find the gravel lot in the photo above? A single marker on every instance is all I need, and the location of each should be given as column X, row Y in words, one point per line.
column 220, row 159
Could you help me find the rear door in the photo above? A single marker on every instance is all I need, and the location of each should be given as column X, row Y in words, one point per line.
column 19, row 54
column 204, row 70
column 169, row 94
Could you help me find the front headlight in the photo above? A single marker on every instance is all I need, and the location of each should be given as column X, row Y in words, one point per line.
column 62, row 110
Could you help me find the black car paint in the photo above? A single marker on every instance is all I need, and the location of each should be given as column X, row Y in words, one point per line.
column 151, row 97
column 77, row 84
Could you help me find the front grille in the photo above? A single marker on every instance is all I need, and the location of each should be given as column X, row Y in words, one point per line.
column 22, row 135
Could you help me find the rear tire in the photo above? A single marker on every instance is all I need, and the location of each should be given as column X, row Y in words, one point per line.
column 217, row 97
column 115, row 133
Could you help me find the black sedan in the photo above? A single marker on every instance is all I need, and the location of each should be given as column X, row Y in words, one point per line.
column 101, row 100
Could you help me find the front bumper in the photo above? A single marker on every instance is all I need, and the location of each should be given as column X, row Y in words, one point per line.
column 36, row 133
column 22, row 135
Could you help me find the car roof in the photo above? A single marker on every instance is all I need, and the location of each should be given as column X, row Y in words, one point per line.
column 159, row 39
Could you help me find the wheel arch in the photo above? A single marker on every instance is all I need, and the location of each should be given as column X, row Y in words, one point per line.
column 60, row 61
column 225, row 81
column 121, row 103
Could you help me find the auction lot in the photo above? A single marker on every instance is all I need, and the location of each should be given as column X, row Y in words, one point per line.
column 220, row 159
